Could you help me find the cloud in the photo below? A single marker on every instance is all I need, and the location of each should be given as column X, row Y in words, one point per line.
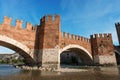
column 20, row 9
column 89, row 9
column 91, row 16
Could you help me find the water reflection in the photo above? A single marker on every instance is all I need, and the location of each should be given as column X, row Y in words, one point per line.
column 7, row 70
column 96, row 73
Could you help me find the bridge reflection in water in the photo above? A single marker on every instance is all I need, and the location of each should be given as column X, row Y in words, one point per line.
column 92, row 73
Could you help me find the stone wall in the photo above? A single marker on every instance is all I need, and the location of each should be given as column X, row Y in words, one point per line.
column 105, row 60
column 50, row 58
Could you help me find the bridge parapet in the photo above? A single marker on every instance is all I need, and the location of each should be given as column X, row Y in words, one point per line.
column 7, row 20
column 74, row 37
column 50, row 19
column 105, row 35
column 18, row 24
column 26, row 35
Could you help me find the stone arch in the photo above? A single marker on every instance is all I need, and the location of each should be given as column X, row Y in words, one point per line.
column 75, row 46
column 23, row 50
column 80, row 48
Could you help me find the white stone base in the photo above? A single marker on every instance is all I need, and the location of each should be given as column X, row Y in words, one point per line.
column 49, row 58
column 105, row 59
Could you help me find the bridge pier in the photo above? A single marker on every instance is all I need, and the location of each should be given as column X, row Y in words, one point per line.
column 48, row 42
column 49, row 58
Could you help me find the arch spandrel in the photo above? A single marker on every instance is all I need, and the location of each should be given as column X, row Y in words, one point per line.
column 13, row 42
column 23, row 50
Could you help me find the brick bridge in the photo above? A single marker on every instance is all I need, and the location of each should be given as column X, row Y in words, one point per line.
column 42, row 44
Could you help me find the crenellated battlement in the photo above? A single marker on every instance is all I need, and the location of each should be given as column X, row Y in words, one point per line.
column 18, row 24
column 28, row 26
column 50, row 19
column 105, row 35
column 74, row 37
column 7, row 21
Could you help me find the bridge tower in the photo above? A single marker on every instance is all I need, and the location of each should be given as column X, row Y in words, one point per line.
column 102, row 49
column 49, row 41
column 117, row 25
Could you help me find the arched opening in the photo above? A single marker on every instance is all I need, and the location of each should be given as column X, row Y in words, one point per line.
column 74, row 55
column 17, row 47
column 8, row 56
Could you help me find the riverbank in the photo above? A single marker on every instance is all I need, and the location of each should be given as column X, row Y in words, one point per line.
column 66, row 69
column 50, row 69
column 71, row 70
column 8, row 72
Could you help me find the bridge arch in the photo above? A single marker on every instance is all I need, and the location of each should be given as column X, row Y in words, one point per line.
column 80, row 51
column 23, row 50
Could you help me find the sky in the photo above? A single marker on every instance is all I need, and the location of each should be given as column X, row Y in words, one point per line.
column 79, row 17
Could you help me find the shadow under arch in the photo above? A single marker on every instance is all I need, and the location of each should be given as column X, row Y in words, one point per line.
column 117, row 55
column 80, row 51
column 23, row 50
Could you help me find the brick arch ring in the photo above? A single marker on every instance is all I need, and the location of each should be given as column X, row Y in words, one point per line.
column 14, row 43
column 75, row 46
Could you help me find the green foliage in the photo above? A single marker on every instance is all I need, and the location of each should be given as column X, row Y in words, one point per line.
column 12, row 61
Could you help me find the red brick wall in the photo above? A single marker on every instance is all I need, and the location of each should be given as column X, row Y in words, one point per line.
column 25, row 36
column 102, row 44
column 49, row 31
column 66, row 39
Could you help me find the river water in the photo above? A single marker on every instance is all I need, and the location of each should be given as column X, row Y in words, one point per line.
column 8, row 72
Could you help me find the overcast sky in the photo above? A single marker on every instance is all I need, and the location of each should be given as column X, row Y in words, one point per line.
column 80, row 17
